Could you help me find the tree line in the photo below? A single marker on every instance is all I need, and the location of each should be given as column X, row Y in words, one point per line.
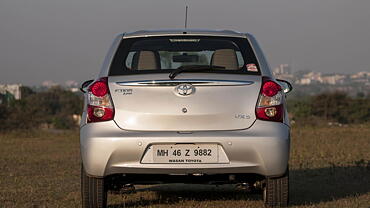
column 335, row 107
column 53, row 108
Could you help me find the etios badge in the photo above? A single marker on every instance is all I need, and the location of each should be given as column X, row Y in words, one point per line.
column 185, row 89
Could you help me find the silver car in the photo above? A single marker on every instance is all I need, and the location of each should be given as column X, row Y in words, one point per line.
column 185, row 106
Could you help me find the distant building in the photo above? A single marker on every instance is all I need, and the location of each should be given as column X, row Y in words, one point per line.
column 74, row 89
column 49, row 84
column 310, row 78
column 333, row 79
column 361, row 75
column 317, row 77
column 71, row 84
column 282, row 69
column 9, row 92
column 304, row 81
column 283, row 72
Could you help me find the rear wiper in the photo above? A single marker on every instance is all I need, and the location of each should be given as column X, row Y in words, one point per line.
column 192, row 68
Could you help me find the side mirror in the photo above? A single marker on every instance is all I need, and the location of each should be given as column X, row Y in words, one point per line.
column 85, row 85
column 287, row 87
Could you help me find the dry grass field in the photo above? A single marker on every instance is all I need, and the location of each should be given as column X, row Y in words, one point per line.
column 329, row 168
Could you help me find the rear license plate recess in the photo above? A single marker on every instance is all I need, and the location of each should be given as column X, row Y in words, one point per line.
column 185, row 153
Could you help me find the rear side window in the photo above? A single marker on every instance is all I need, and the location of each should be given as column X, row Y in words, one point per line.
column 164, row 54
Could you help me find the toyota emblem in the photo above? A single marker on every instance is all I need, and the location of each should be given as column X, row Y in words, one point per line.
column 185, row 89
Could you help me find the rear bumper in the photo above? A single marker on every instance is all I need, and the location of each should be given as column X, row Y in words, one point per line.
column 262, row 149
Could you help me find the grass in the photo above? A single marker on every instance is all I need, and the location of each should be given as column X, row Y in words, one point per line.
column 329, row 168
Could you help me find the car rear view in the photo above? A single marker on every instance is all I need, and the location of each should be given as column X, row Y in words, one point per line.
column 185, row 106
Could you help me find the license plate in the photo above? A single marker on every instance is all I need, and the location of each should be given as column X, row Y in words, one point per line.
column 185, row 153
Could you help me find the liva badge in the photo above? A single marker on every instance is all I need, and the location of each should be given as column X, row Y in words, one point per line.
column 252, row 68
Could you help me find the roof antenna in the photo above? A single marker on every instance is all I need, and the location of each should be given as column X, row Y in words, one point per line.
column 186, row 15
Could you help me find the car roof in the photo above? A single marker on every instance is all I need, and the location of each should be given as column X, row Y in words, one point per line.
column 170, row 32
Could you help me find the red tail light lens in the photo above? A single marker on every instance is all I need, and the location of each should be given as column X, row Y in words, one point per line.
column 270, row 88
column 99, row 88
column 270, row 103
column 100, row 106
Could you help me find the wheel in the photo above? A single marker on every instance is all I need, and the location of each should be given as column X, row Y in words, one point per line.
column 276, row 191
column 93, row 191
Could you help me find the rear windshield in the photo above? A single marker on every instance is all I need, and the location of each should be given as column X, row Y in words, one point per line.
column 167, row 53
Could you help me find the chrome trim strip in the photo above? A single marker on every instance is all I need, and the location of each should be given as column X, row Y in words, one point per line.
column 187, row 34
column 195, row 82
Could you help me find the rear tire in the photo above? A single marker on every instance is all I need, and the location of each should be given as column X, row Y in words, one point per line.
column 93, row 191
column 276, row 191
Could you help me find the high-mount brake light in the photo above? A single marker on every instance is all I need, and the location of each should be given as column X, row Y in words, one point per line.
column 99, row 102
column 270, row 101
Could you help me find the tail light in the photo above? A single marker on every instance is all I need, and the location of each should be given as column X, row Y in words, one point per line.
column 270, row 101
column 99, row 102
